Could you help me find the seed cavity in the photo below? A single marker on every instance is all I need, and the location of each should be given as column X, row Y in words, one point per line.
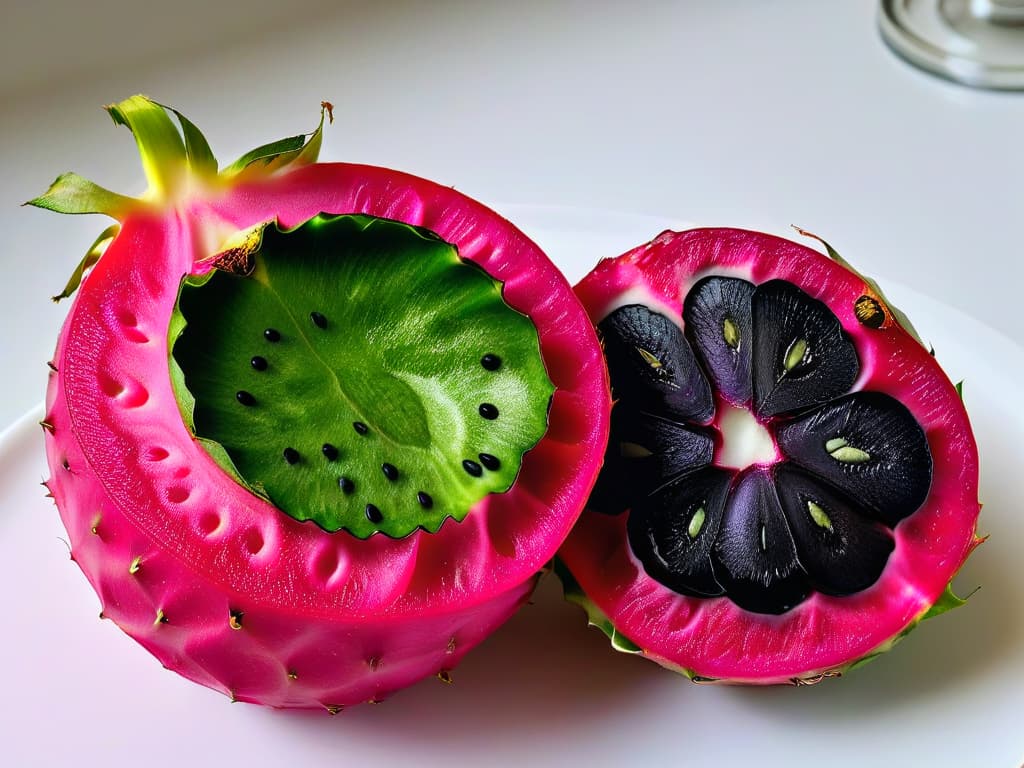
column 650, row 358
column 272, row 335
column 445, row 676
column 329, row 451
column 472, row 468
column 209, row 522
column 696, row 523
column 291, row 455
column 258, row 363
column 819, row 516
column 245, row 398
column 842, row 451
column 425, row 499
column 235, row 619
column 373, row 513
column 795, row 355
column 731, row 333
column 253, row 541
column 390, row 471
column 630, row 450
column 318, row 320
column 160, row 618
column 359, row 427
column 489, row 411
column 346, row 485
column 490, row 361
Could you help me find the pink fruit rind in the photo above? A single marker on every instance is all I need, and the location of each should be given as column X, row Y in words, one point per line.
column 713, row 638
column 327, row 619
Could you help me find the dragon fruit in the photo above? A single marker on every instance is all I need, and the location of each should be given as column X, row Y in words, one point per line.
column 313, row 429
column 791, row 481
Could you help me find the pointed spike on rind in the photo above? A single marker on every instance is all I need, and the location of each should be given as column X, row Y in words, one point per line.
column 947, row 601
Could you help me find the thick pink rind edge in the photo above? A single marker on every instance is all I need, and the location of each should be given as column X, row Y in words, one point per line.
column 117, row 436
column 267, row 655
column 824, row 633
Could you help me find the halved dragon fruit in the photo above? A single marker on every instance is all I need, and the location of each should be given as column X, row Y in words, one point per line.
column 791, row 481
column 313, row 429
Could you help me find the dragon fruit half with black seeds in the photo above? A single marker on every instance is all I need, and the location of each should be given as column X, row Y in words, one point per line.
column 313, row 429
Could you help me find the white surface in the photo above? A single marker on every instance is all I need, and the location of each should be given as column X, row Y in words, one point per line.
column 544, row 690
column 743, row 113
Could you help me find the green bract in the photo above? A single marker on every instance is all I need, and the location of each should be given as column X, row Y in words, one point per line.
column 361, row 375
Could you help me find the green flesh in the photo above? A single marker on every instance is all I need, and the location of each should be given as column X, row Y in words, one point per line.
column 405, row 323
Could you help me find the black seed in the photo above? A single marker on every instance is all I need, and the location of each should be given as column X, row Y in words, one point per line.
column 491, row 362
column 424, row 499
column 272, row 335
column 895, row 480
column 490, row 462
column 841, row 549
column 672, row 530
column 488, row 411
column 472, row 467
column 717, row 318
column 291, row 455
column 652, row 363
column 644, row 452
column 390, row 471
column 245, row 398
column 802, row 355
column 359, row 427
column 754, row 557
column 329, row 451
column 259, row 363
column 318, row 320
column 373, row 514
column 346, row 485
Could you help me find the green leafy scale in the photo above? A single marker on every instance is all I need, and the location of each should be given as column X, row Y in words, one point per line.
column 370, row 407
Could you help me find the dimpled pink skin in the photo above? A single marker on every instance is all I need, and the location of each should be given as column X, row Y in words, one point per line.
column 713, row 638
column 222, row 587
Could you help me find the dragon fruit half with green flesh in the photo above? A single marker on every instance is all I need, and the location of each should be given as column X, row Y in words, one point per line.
column 791, row 480
column 313, row 429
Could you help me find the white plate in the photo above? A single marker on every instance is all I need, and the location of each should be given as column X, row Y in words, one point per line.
column 544, row 690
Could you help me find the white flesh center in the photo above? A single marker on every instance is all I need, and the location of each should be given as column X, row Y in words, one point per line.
column 744, row 440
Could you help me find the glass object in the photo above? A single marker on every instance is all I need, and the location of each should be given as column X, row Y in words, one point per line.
column 976, row 42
